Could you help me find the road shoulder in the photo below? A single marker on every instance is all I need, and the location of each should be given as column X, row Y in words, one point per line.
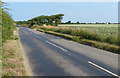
column 12, row 59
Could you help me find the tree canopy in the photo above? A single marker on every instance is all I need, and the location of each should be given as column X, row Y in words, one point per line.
column 53, row 20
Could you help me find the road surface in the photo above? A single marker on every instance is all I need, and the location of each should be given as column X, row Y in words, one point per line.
column 49, row 55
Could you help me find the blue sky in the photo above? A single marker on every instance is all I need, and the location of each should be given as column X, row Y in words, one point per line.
column 74, row 11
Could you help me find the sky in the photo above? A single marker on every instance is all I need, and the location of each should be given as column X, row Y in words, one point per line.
column 61, row 0
column 74, row 11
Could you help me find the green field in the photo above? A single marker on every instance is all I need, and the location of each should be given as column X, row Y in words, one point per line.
column 90, row 25
column 103, row 29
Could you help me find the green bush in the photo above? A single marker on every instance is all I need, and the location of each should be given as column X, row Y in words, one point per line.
column 76, row 39
column 102, row 45
column 7, row 23
column 75, row 32
column 7, row 26
column 59, row 34
column 66, row 31
column 112, row 40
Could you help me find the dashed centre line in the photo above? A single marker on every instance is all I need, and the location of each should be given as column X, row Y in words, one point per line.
column 57, row 46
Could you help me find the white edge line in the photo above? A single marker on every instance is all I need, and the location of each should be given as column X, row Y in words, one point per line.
column 103, row 69
column 56, row 46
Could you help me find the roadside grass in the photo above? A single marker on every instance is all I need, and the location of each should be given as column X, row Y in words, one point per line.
column 12, row 59
column 83, row 40
column 85, row 35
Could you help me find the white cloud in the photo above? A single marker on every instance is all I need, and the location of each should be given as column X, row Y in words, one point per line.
column 60, row 0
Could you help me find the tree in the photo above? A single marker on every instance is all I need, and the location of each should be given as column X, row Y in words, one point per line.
column 58, row 18
column 7, row 23
column 53, row 20
column 77, row 22
column 69, row 22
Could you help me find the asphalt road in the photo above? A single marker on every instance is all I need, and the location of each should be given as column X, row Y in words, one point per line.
column 49, row 55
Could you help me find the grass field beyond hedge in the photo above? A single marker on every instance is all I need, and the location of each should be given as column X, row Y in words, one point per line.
column 104, row 29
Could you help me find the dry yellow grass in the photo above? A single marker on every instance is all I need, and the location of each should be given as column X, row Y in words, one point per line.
column 12, row 59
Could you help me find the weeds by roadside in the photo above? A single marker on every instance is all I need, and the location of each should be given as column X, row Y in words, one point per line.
column 12, row 59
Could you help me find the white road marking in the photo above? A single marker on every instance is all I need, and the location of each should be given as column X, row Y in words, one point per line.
column 56, row 46
column 104, row 69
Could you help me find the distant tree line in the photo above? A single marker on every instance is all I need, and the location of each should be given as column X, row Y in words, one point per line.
column 70, row 22
column 7, row 23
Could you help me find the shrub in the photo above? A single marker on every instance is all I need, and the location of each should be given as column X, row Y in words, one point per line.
column 75, row 32
column 76, row 39
column 112, row 40
column 102, row 45
column 7, row 26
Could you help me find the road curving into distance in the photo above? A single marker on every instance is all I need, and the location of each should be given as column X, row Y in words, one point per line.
column 49, row 55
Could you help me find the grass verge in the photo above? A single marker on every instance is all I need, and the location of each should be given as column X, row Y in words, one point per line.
column 12, row 59
column 101, row 45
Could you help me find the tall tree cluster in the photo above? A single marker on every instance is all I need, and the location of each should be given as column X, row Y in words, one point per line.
column 53, row 20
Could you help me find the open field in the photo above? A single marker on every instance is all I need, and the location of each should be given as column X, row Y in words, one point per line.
column 104, row 29
column 90, row 25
